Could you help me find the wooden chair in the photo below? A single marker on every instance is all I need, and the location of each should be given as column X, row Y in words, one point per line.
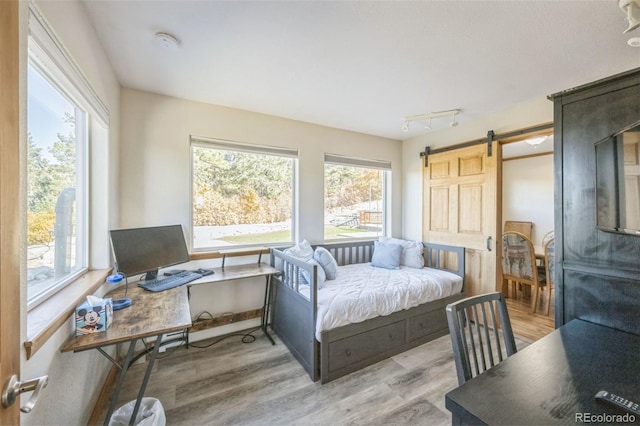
column 525, row 228
column 550, row 267
column 519, row 264
column 475, row 337
column 548, row 236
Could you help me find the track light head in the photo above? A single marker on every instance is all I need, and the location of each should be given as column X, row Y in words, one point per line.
column 428, row 116
column 632, row 10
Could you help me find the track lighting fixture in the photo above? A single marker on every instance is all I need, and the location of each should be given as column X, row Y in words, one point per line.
column 428, row 116
column 632, row 9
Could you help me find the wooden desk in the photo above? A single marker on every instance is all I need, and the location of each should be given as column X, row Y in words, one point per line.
column 236, row 272
column 150, row 315
column 553, row 380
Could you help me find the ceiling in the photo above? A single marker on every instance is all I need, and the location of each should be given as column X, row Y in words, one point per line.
column 364, row 65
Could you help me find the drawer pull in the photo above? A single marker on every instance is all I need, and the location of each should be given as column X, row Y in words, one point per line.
column 348, row 352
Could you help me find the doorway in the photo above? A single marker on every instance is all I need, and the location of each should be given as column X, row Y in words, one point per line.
column 527, row 195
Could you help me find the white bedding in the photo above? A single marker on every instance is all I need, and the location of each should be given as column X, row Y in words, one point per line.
column 362, row 292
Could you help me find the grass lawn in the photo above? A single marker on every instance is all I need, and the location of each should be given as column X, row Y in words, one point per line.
column 330, row 232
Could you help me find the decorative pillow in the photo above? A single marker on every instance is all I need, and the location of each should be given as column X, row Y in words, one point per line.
column 302, row 251
column 306, row 277
column 326, row 260
column 412, row 252
column 386, row 255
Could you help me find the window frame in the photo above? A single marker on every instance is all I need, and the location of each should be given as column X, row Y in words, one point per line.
column 50, row 59
column 346, row 161
column 221, row 144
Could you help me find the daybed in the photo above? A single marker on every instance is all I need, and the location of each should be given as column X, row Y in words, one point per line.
column 298, row 307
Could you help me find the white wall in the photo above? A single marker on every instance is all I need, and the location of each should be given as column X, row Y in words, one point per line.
column 75, row 380
column 155, row 164
column 523, row 115
column 155, row 174
column 527, row 194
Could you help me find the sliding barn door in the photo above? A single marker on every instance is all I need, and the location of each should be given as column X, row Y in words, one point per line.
column 459, row 208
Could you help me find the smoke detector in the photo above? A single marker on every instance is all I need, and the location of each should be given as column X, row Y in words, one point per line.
column 166, row 41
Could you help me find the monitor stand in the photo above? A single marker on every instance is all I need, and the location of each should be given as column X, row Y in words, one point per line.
column 151, row 275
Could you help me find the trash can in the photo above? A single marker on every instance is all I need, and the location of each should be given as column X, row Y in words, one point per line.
column 150, row 413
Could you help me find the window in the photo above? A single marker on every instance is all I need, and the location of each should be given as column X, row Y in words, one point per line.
column 355, row 197
column 56, row 186
column 67, row 136
column 242, row 195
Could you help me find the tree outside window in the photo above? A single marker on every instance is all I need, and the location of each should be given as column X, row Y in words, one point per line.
column 240, row 197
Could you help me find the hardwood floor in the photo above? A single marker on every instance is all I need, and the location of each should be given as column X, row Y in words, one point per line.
column 527, row 326
column 233, row 383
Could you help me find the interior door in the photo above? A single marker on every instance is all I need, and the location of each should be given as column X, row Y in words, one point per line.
column 460, row 199
column 9, row 202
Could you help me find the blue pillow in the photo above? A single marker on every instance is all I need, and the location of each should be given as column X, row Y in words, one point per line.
column 328, row 263
column 306, row 276
column 386, row 255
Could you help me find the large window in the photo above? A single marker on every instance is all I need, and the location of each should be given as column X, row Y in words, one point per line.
column 242, row 195
column 56, row 186
column 354, row 197
column 67, row 137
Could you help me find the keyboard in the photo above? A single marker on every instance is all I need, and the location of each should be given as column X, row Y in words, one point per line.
column 170, row 282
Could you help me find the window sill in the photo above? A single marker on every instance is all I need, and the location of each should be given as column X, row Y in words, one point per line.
column 46, row 318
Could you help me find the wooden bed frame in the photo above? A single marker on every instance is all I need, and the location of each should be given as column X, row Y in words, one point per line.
column 351, row 347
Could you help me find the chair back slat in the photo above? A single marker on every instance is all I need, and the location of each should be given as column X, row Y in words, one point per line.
column 480, row 339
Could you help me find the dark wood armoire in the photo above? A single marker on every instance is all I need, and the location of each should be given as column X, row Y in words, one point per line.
column 597, row 272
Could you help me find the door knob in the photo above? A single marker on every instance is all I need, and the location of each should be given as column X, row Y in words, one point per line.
column 14, row 387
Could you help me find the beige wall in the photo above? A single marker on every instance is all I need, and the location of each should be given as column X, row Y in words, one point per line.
column 527, row 194
column 155, row 175
column 155, row 164
column 526, row 114
column 75, row 380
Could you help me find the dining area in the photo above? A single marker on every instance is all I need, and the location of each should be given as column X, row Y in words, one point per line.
column 527, row 269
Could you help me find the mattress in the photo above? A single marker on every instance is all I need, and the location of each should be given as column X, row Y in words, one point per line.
column 361, row 292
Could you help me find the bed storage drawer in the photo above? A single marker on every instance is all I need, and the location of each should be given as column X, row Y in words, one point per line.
column 426, row 324
column 363, row 346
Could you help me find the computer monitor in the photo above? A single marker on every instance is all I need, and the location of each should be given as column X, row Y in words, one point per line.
column 145, row 250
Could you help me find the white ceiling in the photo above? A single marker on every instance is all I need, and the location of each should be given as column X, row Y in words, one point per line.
column 364, row 65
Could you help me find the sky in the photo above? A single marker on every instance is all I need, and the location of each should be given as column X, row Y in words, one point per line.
column 46, row 108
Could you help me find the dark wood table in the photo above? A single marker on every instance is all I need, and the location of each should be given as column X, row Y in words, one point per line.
column 151, row 315
column 554, row 380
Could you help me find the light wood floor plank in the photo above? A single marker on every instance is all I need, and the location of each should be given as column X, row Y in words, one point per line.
column 232, row 383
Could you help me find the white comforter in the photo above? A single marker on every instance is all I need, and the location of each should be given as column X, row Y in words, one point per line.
column 362, row 292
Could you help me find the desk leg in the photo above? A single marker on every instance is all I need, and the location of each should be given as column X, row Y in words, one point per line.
column 123, row 372
column 264, row 321
column 147, row 374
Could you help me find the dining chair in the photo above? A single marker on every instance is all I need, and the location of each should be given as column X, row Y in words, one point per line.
column 518, row 261
column 550, row 267
column 525, row 228
column 546, row 237
column 478, row 339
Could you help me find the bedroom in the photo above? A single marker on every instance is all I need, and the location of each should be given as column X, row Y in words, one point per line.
column 130, row 197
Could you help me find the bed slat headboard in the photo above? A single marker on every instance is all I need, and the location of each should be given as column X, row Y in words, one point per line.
column 440, row 256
